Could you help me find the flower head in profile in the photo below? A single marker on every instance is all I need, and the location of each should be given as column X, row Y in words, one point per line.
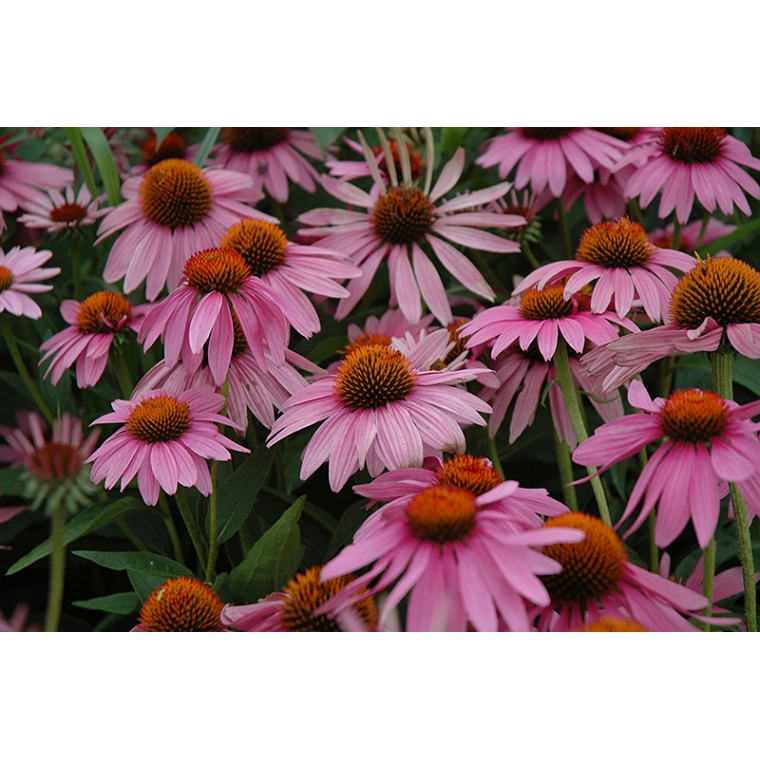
column 165, row 440
column 543, row 155
column 170, row 213
column 94, row 324
column 462, row 557
column 56, row 473
column 181, row 604
column 58, row 210
column 707, row 442
column 623, row 264
column 597, row 581
column 350, row 170
column 692, row 162
column 293, row 609
column 399, row 224
column 152, row 152
column 271, row 156
column 21, row 272
column 381, row 411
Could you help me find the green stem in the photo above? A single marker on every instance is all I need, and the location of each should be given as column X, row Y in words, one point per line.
column 192, row 526
column 22, row 370
column 676, row 234
column 722, row 370
column 634, row 211
column 565, row 380
column 120, row 369
column 131, row 535
column 703, row 229
column 171, row 527
column 708, row 582
column 493, row 454
column 213, row 541
column 76, row 267
column 526, row 249
column 57, row 568
column 565, row 229
column 565, row 464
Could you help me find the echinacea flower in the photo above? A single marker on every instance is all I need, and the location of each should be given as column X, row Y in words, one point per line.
column 94, row 324
column 619, row 258
column 218, row 284
column 598, row 581
column 349, row 170
column 175, row 210
column 381, row 411
column 689, row 162
column 165, row 440
column 181, row 604
column 289, row 269
column 58, row 211
column 172, row 146
column 708, row 441
column 690, row 235
column 56, row 473
column 544, row 154
column 20, row 273
column 292, row 609
column 609, row 624
column 460, row 557
column 271, row 156
column 399, row 223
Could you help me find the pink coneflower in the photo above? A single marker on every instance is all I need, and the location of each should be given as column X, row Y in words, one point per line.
column 58, row 211
column 165, row 441
column 689, row 162
column 349, row 170
column 292, row 609
column 22, row 182
column 217, row 285
column 173, row 211
column 95, row 322
column 20, row 273
column 181, row 604
column 545, row 153
column 714, row 230
column 381, row 411
column 598, row 581
column 522, row 377
column 54, row 461
column 398, row 224
column 460, row 557
column 289, row 269
column 271, row 156
column 172, row 146
column 541, row 317
column 708, row 441
column 625, row 265
column 716, row 304
column 474, row 474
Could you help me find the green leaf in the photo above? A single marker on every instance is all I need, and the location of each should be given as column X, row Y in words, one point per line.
column 273, row 560
column 237, row 494
column 161, row 133
column 118, row 604
column 11, row 481
column 326, row 136
column 350, row 521
column 734, row 237
column 101, row 152
column 74, row 135
column 746, row 373
column 91, row 519
column 206, row 145
column 452, row 138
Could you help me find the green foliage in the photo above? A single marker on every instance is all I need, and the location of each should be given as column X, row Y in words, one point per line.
column 101, row 153
column 206, row 145
column 118, row 604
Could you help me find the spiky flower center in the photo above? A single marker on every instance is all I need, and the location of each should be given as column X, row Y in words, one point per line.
column 175, row 193
column 546, row 133
column 182, row 604
column 474, row 474
column 693, row 415
column 725, row 289
column 261, row 243
column 69, row 213
column 545, row 304
column 216, row 269
column 622, row 133
column 172, row 146
column 590, row 568
column 614, row 625
column 403, row 215
column 692, row 145
column 239, row 342
column 159, row 419
column 55, row 461
column 460, row 344
column 366, row 339
column 615, row 244
column 252, row 139
column 373, row 376
column 305, row 594
column 442, row 513
column 102, row 312
column 6, row 278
